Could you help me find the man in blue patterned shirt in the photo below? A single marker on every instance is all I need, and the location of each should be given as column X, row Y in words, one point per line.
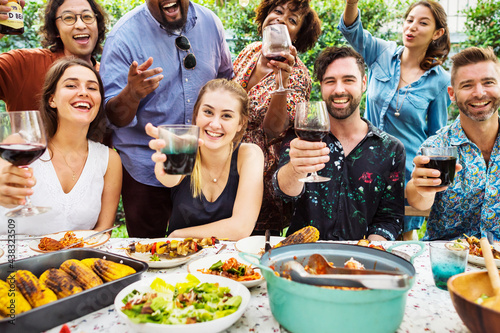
column 364, row 197
column 471, row 204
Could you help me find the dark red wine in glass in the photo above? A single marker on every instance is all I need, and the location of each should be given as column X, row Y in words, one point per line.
column 275, row 56
column 22, row 141
column 310, row 135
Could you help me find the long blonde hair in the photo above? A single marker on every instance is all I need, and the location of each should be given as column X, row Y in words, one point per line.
column 240, row 94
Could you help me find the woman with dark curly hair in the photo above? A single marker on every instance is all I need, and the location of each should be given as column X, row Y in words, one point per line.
column 407, row 93
column 272, row 114
column 71, row 28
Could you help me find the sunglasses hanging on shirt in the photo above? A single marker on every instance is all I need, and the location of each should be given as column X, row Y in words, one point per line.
column 182, row 43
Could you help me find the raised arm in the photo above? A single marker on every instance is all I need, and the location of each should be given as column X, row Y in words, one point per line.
column 141, row 81
column 247, row 204
column 4, row 9
column 110, row 192
column 350, row 12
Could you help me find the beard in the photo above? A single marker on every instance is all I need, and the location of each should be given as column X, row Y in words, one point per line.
column 342, row 113
column 479, row 116
column 173, row 26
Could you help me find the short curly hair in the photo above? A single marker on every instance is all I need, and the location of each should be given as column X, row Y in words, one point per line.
column 50, row 33
column 311, row 25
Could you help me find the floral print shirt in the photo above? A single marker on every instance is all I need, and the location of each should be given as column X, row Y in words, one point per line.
column 271, row 216
column 471, row 204
column 364, row 196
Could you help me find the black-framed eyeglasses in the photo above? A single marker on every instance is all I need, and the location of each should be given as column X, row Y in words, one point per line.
column 87, row 17
column 183, row 44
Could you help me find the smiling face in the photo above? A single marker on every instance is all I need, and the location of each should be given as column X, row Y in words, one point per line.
column 79, row 39
column 171, row 14
column 419, row 28
column 476, row 89
column 77, row 96
column 219, row 118
column 342, row 87
column 282, row 14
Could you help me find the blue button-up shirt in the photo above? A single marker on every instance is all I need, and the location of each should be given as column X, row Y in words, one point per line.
column 471, row 204
column 138, row 36
column 423, row 106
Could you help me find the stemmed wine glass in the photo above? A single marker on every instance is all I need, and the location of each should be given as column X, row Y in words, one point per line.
column 312, row 124
column 275, row 39
column 22, row 141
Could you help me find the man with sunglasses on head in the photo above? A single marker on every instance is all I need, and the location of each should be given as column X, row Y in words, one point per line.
column 71, row 28
column 155, row 60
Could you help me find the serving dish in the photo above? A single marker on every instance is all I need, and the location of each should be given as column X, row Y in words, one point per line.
column 71, row 307
column 464, row 289
column 305, row 308
column 255, row 244
column 164, row 261
column 206, row 262
column 215, row 325
column 89, row 243
column 477, row 260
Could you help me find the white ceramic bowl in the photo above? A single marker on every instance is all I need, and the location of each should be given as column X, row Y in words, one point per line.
column 213, row 326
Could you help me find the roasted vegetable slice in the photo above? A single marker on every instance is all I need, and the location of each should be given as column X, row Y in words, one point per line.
column 83, row 274
column 108, row 270
column 12, row 299
column 36, row 293
column 60, row 282
column 307, row 234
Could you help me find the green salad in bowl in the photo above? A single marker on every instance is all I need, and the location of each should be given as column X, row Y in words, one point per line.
column 183, row 302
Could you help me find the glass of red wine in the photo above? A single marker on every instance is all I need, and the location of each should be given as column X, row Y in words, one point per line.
column 22, row 141
column 275, row 40
column 312, row 124
column 181, row 146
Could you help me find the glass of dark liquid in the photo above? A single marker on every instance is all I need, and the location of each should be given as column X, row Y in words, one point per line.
column 443, row 159
column 275, row 40
column 312, row 124
column 181, row 146
column 22, row 141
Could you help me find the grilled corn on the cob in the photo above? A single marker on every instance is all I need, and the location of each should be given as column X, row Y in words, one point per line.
column 36, row 293
column 108, row 270
column 307, row 234
column 83, row 274
column 11, row 300
column 60, row 282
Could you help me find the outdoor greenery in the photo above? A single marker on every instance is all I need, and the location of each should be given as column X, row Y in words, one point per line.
column 482, row 25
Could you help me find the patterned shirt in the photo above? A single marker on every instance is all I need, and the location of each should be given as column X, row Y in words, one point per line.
column 364, row 196
column 260, row 98
column 471, row 204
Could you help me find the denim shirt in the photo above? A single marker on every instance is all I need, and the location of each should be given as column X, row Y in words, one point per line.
column 138, row 36
column 423, row 106
column 471, row 203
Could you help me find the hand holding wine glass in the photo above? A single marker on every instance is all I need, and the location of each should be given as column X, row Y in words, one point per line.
column 275, row 41
column 22, row 141
column 312, row 124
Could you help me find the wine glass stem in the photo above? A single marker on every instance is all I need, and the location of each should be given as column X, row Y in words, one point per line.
column 28, row 203
column 280, row 81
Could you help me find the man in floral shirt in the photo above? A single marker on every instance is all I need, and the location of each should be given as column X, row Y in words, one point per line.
column 470, row 205
column 364, row 197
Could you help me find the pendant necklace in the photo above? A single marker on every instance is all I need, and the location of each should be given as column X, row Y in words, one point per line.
column 216, row 179
column 65, row 161
column 399, row 107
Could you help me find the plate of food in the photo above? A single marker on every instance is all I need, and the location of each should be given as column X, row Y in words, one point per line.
column 255, row 244
column 183, row 303
column 475, row 253
column 59, row 240
column 168, row 252
column 229, row 265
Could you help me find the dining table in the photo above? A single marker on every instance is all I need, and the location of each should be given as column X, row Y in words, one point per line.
column 428, row 309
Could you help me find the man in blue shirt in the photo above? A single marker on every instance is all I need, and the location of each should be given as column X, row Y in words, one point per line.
column 470, row 204
column 186, row 43
column 364, row 196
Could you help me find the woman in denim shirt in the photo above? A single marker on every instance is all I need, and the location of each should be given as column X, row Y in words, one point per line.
column 407, row 87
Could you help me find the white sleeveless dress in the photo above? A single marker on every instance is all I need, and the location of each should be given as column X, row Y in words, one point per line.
column 76, row 210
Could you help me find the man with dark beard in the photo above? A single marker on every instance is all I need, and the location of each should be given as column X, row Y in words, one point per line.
column 364, row 196
column 470, row 205
column 185, row 42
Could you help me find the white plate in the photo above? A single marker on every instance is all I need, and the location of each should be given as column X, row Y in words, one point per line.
column 213, row 326
column 165, row 261
column 93, row 242
column 255, row 244
column 206, row 262
column 480, row 260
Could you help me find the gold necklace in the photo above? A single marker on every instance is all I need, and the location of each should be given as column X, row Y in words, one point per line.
column 65, row 161
column 216, row 179
column 399, row 107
